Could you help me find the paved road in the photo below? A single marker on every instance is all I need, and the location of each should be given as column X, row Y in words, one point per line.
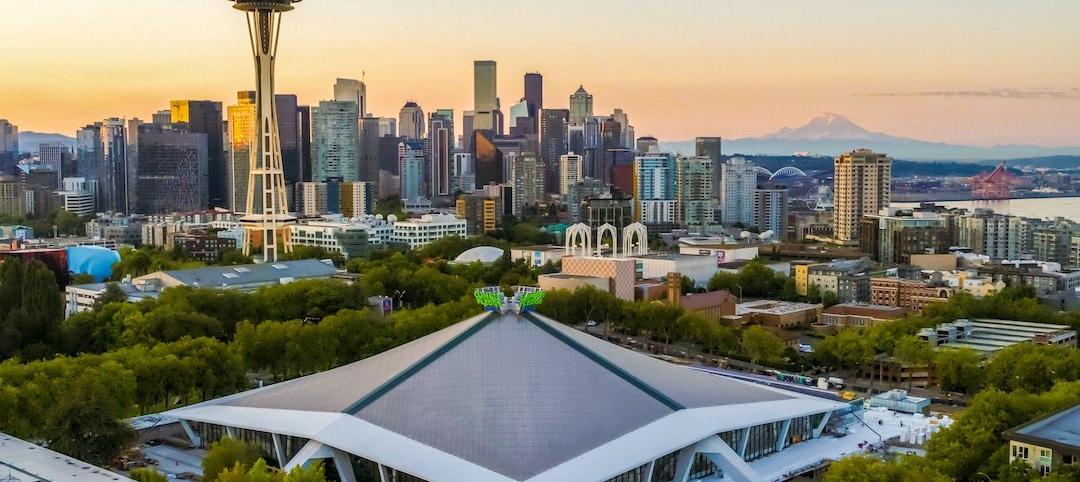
column 174, row 461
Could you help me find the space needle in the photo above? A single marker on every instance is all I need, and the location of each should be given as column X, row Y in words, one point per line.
column 266, row 220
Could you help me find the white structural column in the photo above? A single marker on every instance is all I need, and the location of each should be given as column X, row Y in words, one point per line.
column 384, row 475
column 195, row 439
column 311, row 451
column 649, row 471
column 781, row 438
column 343, row 464
column 744, row 440
column 732, row 464
column 268, row 221
column 279, row 449
column 684, row 461
column 821, row 426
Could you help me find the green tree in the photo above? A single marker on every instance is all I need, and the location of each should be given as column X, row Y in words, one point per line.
column 147, row 474
column 761, row 345
column 959, row 369
column 866, row 468
column 85, row 423
column 970, row 444
column 228, row 454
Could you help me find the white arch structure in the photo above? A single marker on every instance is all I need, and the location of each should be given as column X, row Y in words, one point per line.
column 639, row 232
column 607, row 228
column 573, row 233
column 789, row 171
column 786, row 171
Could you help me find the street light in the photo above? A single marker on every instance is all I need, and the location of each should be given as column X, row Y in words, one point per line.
column 740, row 292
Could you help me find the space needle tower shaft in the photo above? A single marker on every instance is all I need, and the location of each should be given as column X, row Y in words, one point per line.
column 266, row 219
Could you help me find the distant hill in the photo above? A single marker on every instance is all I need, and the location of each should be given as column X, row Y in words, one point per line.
column 30, row 140
column 831, row 134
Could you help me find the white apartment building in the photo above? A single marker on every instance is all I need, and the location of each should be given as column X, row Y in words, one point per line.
column 739, row 179
column 419, row 232
column 570, row 171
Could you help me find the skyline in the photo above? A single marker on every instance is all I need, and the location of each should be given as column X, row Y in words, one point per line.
column 965, row 73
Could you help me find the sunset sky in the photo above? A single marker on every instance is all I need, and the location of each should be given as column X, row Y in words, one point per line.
column 962, row 71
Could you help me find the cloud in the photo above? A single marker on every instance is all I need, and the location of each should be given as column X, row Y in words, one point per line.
column 1004, row 93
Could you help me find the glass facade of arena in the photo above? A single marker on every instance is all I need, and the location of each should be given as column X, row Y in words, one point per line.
column 209, row 433
column 664, row 469
column 368, row 471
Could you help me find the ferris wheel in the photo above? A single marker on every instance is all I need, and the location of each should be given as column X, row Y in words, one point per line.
column 821, row 199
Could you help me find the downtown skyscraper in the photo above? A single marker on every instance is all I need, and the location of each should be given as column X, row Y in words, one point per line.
column 9, row 146
column 581, row 106
column 335, row 141
column 553, row 144
column 411, row 121
column 352, row 90
column 172, row 170
column 205, row 117
column 485, row 96
column 441, row 152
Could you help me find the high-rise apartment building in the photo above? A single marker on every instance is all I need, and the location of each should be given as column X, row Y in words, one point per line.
column 205, row 117
column 654, row 189
column 553, row 144
column 352, row 90
column 242, row 132
column 479, row 211
column 357, row 199
column 862, row 185
column 9, row 146
column 570, row 171
column 738, row 181
column 711, row 147
column 485, row 96
column 172, row 173
column 12, row 197
column 335, row 141
column 411, row 170
column 440, row 152
column 693, row 189
column 893, row 235
column 313, row 198
column 1053, row 242
column 411, row 121
column 771, row 210
column 528, row 179
column 991, row 234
